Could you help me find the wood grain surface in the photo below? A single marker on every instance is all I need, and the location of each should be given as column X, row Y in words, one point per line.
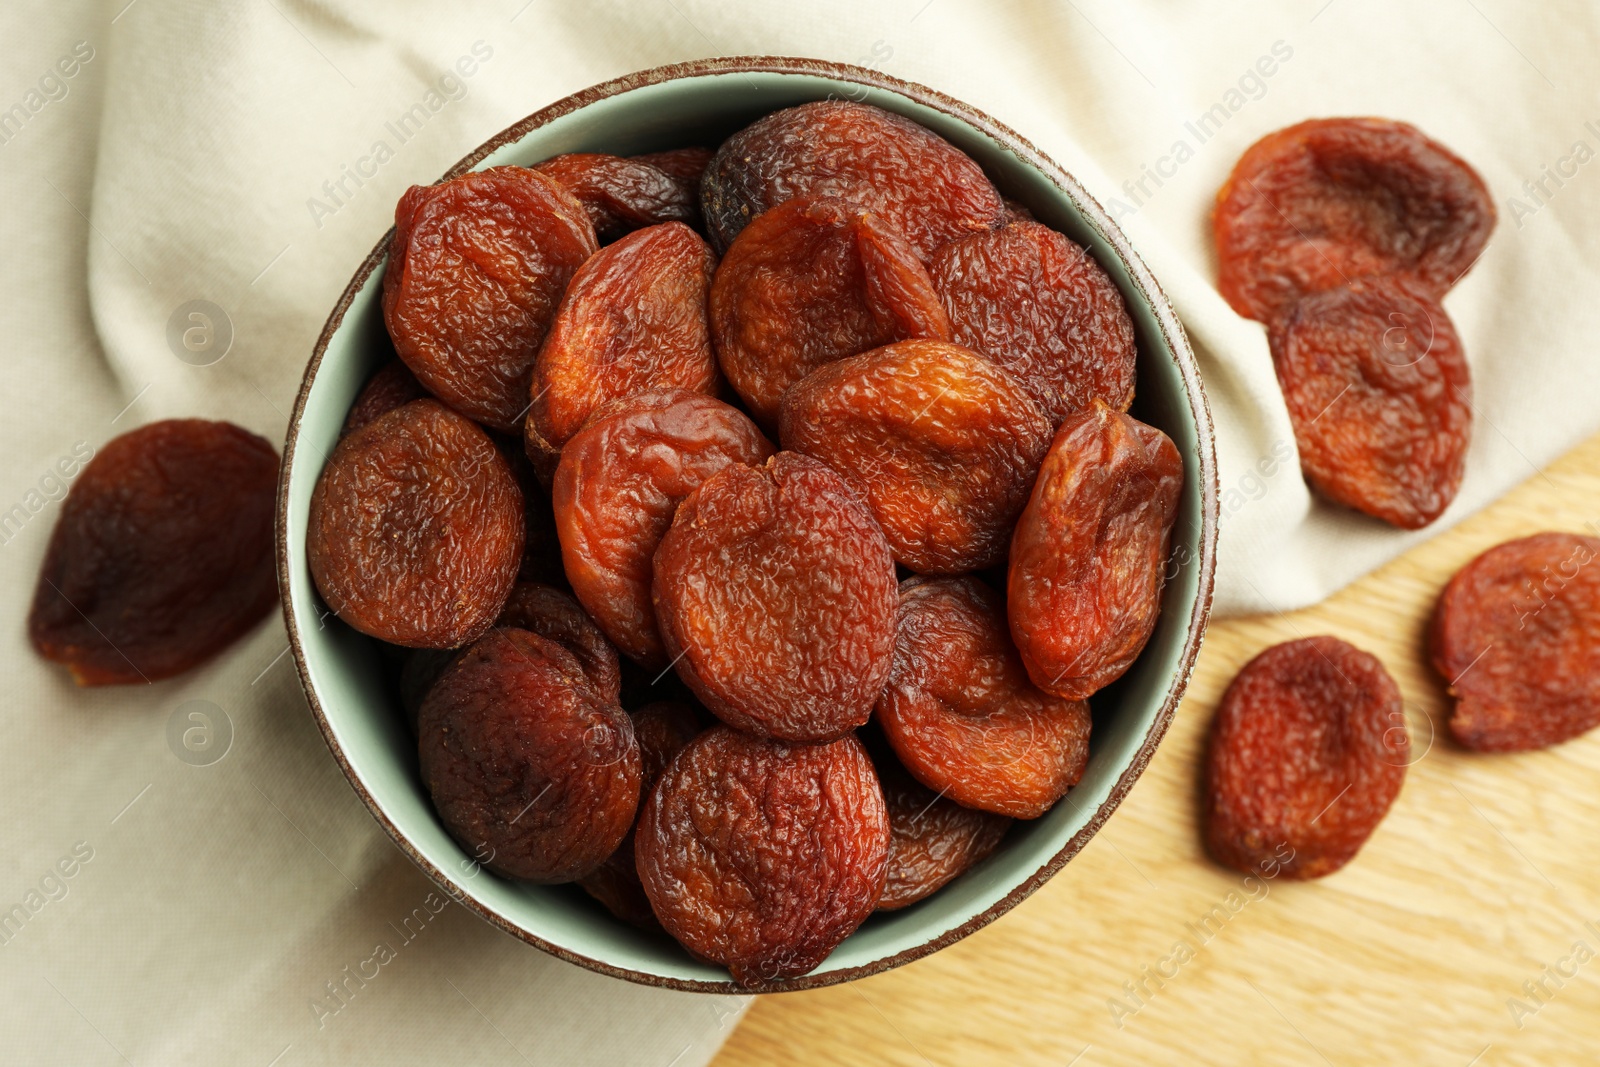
column 1460, row 935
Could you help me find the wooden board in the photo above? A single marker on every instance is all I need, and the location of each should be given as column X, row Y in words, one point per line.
column 1482, row 878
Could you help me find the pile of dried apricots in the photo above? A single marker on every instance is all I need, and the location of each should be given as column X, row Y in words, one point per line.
column 753, row 525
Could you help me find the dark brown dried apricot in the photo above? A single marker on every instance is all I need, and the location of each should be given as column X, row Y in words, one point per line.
column 557, row 617
column 663, row 729
column 809, row 282
column 961, row 713
column 1308, row 751
column 530, row 770
column 761, row 855
column 621, row 194
column 415, row 530
column 775, row 593
column 392, row 386
column 1380, row 397
column 476, row 267
column 1517, row 636
column 932, row 839
column 634, row 318
column 922, row 185
column 1325, row 202
column 941, row 443
column 618, row 485
column 1042, row 308
column 684, row 165
column 1089, row 555
column 162, row 554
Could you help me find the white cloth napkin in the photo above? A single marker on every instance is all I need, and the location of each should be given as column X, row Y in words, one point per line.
column 167, row 152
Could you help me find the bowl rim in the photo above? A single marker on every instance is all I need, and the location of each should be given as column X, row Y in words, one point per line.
column 1139, row 274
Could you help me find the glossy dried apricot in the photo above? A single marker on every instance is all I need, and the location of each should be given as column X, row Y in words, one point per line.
column 1329, row 201
column 761, row 855
column 557, row 617
column 1042, row 308
column 530, row 770
column 621, row 194
column 618, row 485
column 1308, row 750
column 162, row 554
column 684, row 165
column 808, row 282
column 919, row 183
column 415, row 529
column 1380, row 397
column 1089, row 555
column 775, row 593
column 941, row 443
column 663, row 729
column 932, row 839
column 961, row 713
column 1517, row 636
column 392, row 386
column 634, row 318
column 476, row 267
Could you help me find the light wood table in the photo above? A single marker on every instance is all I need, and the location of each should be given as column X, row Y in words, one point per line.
column 1484, row 876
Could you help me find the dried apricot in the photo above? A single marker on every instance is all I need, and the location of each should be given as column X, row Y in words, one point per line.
column 775, row 593
column 961, row 713
column 162, row 554
column 616, row 489
column 557, row 617
column 684, row 165
column 621, row 195
column 1517, row 637
column 919, row 183
column 392, row 386
column 663, row 729
column 1380, row 398
column 1042, row 308
column 1089, row 555
column 808, row 282
column 476, row 267
column 634, row 318
column 932, row 839
column 1308, row 751
column 941, row 443
column 1326, row 202
column 530, row 770
column 415, row 530
column 761, row 855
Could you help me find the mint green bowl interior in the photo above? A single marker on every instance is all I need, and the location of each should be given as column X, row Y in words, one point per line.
column 348, row 684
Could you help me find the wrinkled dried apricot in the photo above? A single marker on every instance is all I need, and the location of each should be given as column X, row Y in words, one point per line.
column 616, row 489
column 634, row 318
column 932, row 839
column 919, row 183
column 557, row 617
column 1326, row 202
column 1089, row 555
column 1517, row 636
column 1380, row 397
column 392, row 386
column 663, row 729
column 961, row 713
column 162, row 554
column 761, row 855
column 476, row 267
column 775, row 593
column 621, row 195
column 530, row 770
column 684, row 165
column 1042, row 308
column 809, row 282
column 941, row 443
column 415, row 529
column 1308, row 751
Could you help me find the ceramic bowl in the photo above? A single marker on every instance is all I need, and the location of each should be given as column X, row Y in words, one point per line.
column 348, row 683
